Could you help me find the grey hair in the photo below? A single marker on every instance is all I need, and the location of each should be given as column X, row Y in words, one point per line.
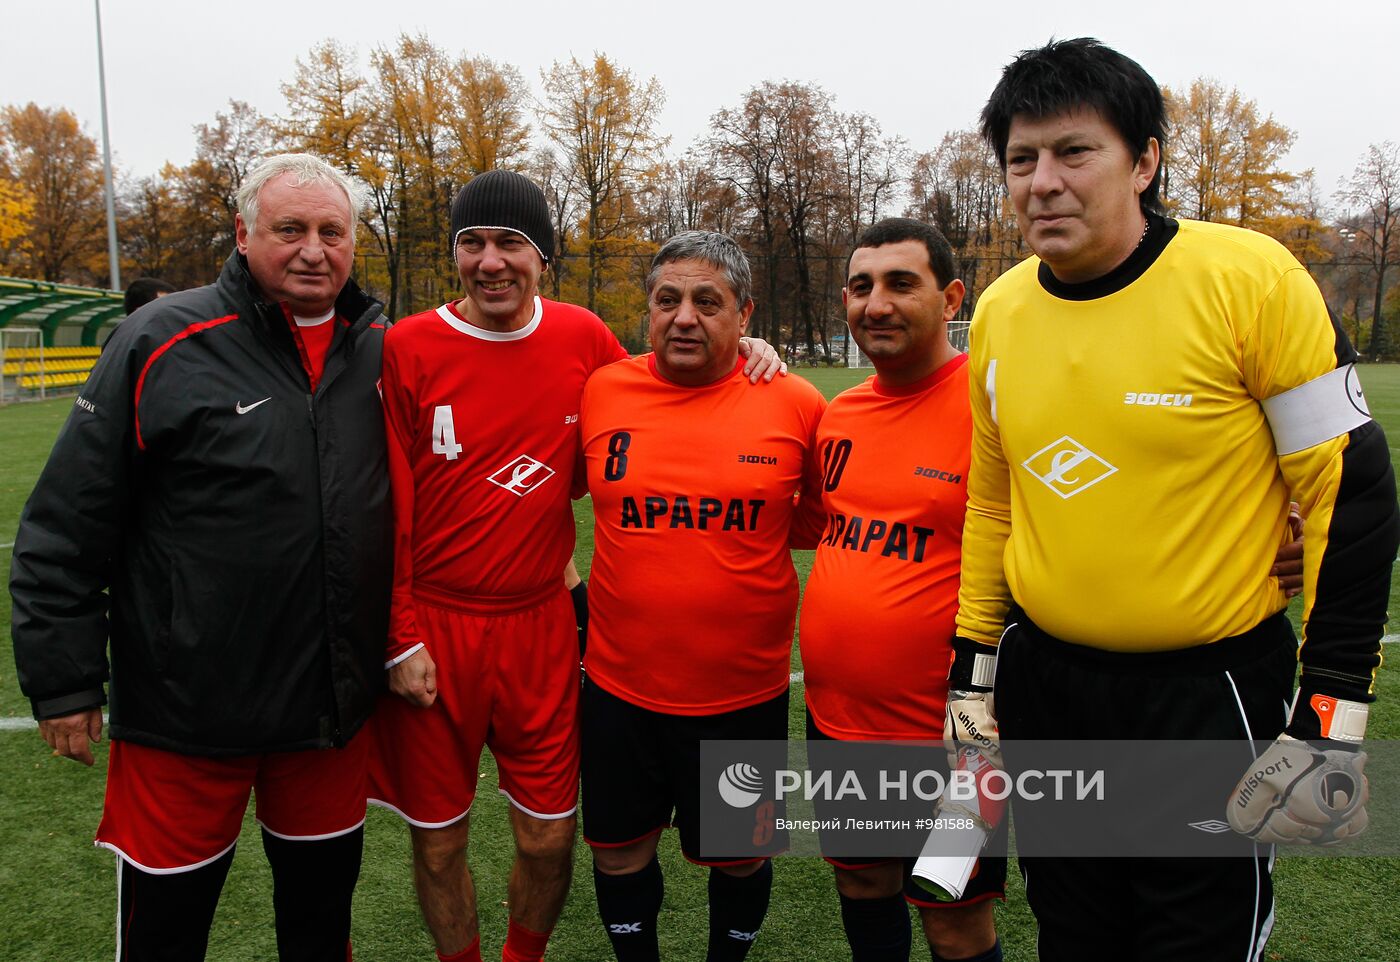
column 305, row 169
column 718, row 250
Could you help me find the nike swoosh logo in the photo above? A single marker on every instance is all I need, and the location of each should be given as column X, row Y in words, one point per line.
column 244, row 410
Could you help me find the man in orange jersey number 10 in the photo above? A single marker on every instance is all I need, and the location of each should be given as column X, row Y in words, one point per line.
column 892, row 454
column 692, row 475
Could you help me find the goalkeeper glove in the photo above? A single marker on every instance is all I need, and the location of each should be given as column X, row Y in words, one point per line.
column 971, row 720
column 1307, row 791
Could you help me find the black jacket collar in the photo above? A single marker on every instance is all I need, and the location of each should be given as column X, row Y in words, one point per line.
column 352, row 304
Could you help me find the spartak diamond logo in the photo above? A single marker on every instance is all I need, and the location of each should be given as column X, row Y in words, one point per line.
column 1067, row 467
column 522, row 475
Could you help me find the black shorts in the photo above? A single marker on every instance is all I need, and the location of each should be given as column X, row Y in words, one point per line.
column 1147, row 909
column 641, row 768
column 988, row 879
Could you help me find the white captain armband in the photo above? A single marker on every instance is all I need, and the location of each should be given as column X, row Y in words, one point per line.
column 1320, row 410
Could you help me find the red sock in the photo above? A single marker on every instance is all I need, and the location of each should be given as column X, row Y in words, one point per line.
column 522, row 945
column 471, row 953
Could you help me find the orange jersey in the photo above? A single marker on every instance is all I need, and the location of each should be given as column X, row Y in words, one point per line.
column 692, row 596
column 877, row 617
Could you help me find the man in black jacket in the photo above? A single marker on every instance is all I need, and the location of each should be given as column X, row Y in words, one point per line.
column 216, row 508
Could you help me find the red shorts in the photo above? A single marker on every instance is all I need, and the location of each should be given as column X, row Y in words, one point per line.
column 168, row 812
column 506, row 679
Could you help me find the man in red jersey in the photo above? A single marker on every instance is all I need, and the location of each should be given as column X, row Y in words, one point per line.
column 892, row 454
column 693, row 592
column 481, row 400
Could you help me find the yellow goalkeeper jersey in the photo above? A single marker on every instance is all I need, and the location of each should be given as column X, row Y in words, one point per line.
column 1126, row 489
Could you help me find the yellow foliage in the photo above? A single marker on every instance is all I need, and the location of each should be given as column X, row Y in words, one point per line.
column 1222, row 162
column 16, row 213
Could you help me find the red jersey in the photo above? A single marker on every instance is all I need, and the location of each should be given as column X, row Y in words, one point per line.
column 313, row 336
column 877, row 616
column 483, row 440
column 692, row 595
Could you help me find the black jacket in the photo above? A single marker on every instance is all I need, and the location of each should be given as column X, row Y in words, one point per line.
column 226, row 529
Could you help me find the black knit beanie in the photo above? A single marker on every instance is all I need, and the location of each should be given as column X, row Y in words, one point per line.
column 504, row 200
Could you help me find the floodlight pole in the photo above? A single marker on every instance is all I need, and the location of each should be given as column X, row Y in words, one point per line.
column 116, row 273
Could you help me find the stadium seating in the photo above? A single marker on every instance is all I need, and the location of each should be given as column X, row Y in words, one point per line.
column 60, row 367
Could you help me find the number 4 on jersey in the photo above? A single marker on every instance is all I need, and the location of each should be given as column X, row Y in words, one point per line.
column 444, row 437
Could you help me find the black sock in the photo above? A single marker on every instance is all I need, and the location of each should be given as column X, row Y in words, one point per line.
column 578, row 594
column 991, row 955
column 312, row 883
column 737, row 908
column 628, row 906
column 166, row 918
column 877, row 929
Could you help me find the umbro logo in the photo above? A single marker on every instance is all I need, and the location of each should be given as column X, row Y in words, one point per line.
column 1067, row 467
column 241, row 408
column 522, row 475
column 1212, row 825
column 626, row 928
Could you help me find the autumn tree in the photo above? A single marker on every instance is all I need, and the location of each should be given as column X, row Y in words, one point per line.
column 413, row 101
column 1372, row 194
column 1301, row 227
column 958, row 187
column 559, row 181
column 869, row 168
column 328, row 107
column 333, row 112
column 804, row 172
column 1222, row 163
column 16, row 223
column 488, row 116
column 742, row 148
column 602, row 120
column 152, row 227
column 691, row 195
column 225, row 152
column 57, row 175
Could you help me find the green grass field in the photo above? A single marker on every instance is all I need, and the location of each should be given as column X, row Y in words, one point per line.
column 57, row 894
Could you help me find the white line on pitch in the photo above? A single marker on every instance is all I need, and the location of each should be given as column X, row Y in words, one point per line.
column 10, row 545
column 1390, row 639
column 795, row 678
column 22, row 724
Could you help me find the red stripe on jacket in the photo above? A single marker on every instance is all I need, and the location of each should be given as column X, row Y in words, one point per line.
column 141, row 381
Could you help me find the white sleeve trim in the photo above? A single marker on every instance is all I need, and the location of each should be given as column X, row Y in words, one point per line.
column 992, row 388
column 404, row 657
column 1316, row 412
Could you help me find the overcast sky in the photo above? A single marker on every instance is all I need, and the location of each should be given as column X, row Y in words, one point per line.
column 1327, row 70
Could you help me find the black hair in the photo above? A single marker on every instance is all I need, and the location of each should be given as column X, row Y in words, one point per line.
column 1065, row 74
column 894, row 230
column 143, row 290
